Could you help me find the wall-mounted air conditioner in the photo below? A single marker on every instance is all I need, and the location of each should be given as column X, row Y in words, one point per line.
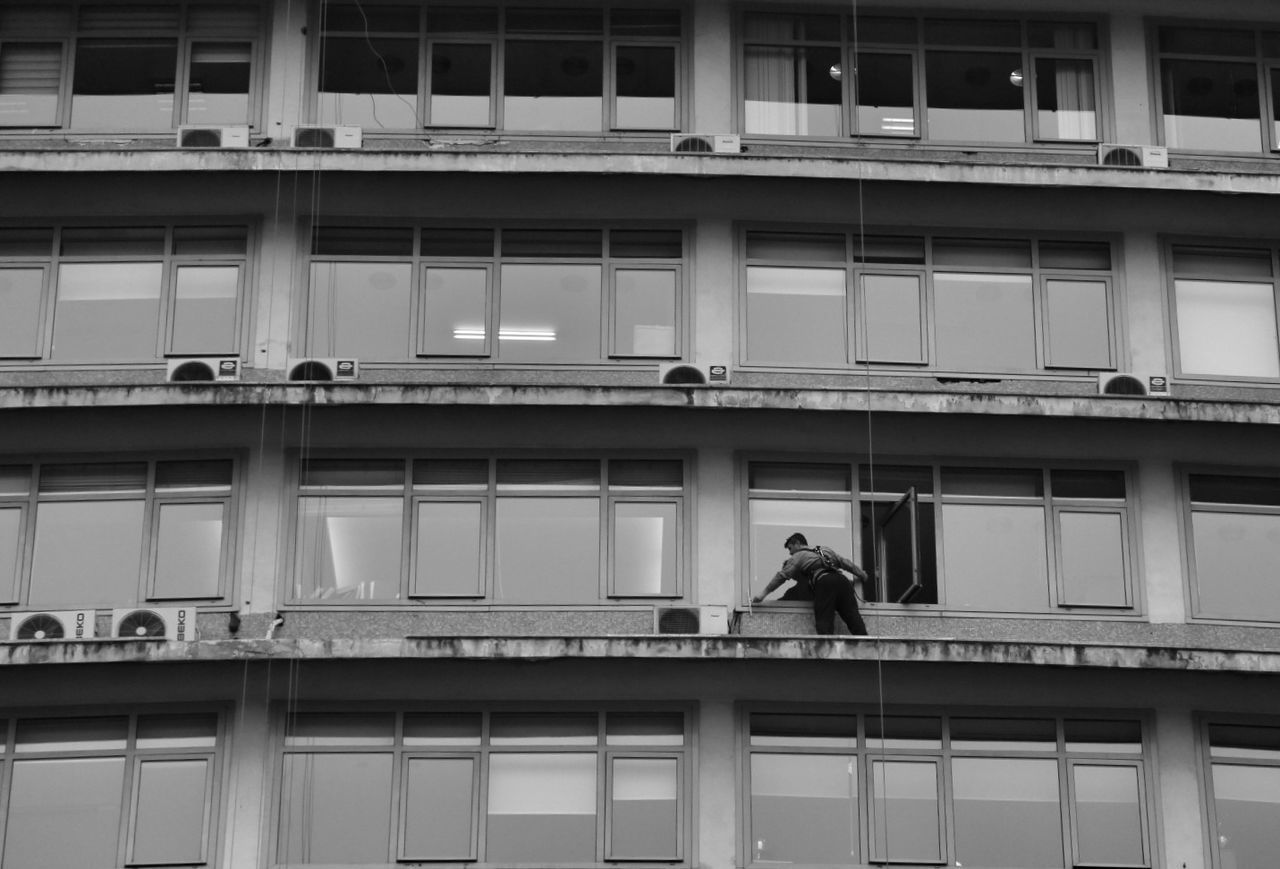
column 1133, row 156
column 691, row 620
column 327, row 137
column 690, row 374
column 323, row 369
column 702, row 143
column 52, row 626
column 1126, row 384
column 195, row 369
column 154, row 623
column 213, row 137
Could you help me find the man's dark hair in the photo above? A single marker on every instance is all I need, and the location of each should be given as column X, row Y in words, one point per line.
column 796, row 538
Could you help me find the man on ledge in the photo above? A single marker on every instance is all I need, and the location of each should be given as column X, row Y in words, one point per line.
column 818, row 567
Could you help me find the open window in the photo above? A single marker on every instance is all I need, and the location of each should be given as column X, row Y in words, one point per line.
column 897, row 541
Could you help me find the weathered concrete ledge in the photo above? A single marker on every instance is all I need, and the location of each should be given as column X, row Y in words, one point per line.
column 857, row 400
column 729, row 648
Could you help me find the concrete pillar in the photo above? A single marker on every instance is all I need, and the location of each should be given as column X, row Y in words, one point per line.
column 717, row 787
column 249, row 776
column 1143, row 309
column 1179, row 797
column 712, row 60
column 715, row 556
column 1162, row 548
column 1130, row 81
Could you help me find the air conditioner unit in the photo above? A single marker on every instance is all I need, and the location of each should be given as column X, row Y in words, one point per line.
column 1123, row 383
column 694, row 143
column 160, row 623
column 213, row 137
column 327, row 137
column 691, row 620
column 203, row 368
column 1133, row 156
column 324, row 369
column 50, row 627
column 689, row 374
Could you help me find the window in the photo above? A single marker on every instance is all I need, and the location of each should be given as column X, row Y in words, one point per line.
column 121, row 293
column 101, row 67
column 846, row 788
column 516, row 531
column 939, row 79
column 837, row 300
column 967, row 538
column 582, row 70
column 397, row 294
column 1244, row 791
column 1234, row 530
column 114, row 790
column 484, row 786
column 1218, row 88
column 109, row 534
column 1224, row 302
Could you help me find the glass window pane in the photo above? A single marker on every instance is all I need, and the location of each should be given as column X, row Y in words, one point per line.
column 1211, row 105
column 644, row 808
column 87, row 553
column 971, row 98
column 812, row 731
column 219, row 87
column 1107, row 737
column 1222, row 262
column 644, row 728
column 542, row 808
column 544, row 728
column 828, row 523
column 331, row 728
column 895, row 481
column 1062, row 34
column 353, row 473
column 804, row 808
column 646, row 243
column 451, row 474
column 210, row 240
column 791, row 91
column 1075, row 255
column 100, row 241
column 362, row 241
column 169, row 815
column 1247, row 812
column 888, row 249
column 361, row 310
column 961, row 31
column 785, row 28
column 99, row 477
column 204, row 309
column 552, row 243
column 548, row 550
column 450, row 554
column 64, row 812
column 1227, row 489
column 799, row 477
column 645, row 85
column 531, row 20
column 532, row 475
column 904, row 811
column 10, row 550
column 71, row 734
column 26, row 242
column 195, row 476
column 189, row 551
column 995, row 557
column 893, row 319
column 985, row 322
column 124, row 84
column 1108, row 815
column 553, row 85
column 454, row 311
column 1235, row 558
column 1003, row 734
column 550, row 313
column 336, row 808
column 1007, row 812
column 644, row 22
column 369, row 81
column 796, row 247
column 349, row 548
column 646, row 474
column 439, row 812
column 1244, row 741
column 1227, row 328
column 442, row 728
column 993, row 482
column 461, row 85
column 1098, row 485
column 796, row 316
column 1206, row 40
column 106, row 312
column 982, row 253
column 1065, row 103
column 30, row 75
column 358, row 17
column 645, row 554
column 902, row 731
column 20, row 328
column 890, row 31
column 885, row 95
column 1093, row 562
column 644, row 312
column 177, row 731
column 1077, row 329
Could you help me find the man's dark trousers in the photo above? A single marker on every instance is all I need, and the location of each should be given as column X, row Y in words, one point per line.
column 833, row 593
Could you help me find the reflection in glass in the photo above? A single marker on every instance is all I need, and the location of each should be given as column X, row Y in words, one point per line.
column 904, row 731
column 349, row 548
column 995, row 557
column 1108, row 815
column 644, row 808
column 1003, row 734
column 169, row 813
column 204, row 309
column 449, row 556
column 360, row 309
column 10, row 535
column 442, row 728
column 1247, row 811
column 645, row 559
column 177, row 731
column 1007, row 812
column 548, row 550
column 1235, row 558
column 970, row 97
column 985, row 322
column 335, row 808
column 553, row 86
column 63, row 812
column 438, row 812
column 1103, row 736
column 1093, row 562
column 796, row 316
column 822, row 522
column 804, row 808
column 87, row 553
column 550, row 313
column 904, row 811
column 645, row 88
column 808, row 731
column 644, row 313
column 124, row 84
column 644, row 728
column 30, row 75
column 790, row 91
column 189, row 551
column 1211, row 105
column 1227, row 328
column 107, row 312
column 20, row 291
column 71, row 734
column 1065, row 104
column 892, row 312
column 542, row 808
column 460, row 85
column 369, row 82
column 336, row 728
column 219, row 88
column 1076, row 330
column 885, row 95
column 544, row 728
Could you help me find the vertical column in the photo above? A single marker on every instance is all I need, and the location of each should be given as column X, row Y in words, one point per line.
column 263, row 550
column 715, row 556
column 717, row 815
column 712, row 57
column 278, row 276
column 1179, row 801
column 284, row 100
column 1144, row 307
column 1130, row 81
column 1162, row 547
column 247, row 829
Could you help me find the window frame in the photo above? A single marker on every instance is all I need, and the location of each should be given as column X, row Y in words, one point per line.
column 1204, row 722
